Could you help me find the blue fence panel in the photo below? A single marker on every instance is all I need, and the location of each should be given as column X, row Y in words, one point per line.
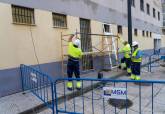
column 91, row 100
column 39, row 84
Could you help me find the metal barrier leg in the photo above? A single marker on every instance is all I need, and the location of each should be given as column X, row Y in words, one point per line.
column 56, row 99
column 152, row 98
column 52, row 90
column 22, row 78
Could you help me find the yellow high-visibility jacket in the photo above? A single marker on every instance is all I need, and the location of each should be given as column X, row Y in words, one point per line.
column 73, row 51
column 126, row 50
column 134, row 56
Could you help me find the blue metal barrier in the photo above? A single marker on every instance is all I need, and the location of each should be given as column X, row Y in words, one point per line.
column 90, row 100
column 39, row 84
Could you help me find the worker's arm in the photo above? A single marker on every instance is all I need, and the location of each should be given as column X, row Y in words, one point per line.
column 71, row 37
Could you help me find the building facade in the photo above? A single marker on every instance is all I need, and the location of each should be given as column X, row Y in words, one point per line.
column 41, row 22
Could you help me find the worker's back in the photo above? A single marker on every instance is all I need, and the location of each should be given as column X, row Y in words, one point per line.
column 74, row 51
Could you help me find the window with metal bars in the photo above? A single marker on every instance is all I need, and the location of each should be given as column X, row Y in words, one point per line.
column 23, row 15
column 59, row 20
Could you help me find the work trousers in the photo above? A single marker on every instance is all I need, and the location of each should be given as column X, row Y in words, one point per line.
column 127, row 61
column 136, row 66
column 73, row 67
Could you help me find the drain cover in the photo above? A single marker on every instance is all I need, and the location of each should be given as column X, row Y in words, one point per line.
column 120, row 103
column 143, row 84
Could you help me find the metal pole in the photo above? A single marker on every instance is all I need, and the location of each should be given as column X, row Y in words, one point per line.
column 129, row 22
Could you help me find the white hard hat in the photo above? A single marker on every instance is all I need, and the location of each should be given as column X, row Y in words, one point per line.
column 135, row 43
column 76, row 42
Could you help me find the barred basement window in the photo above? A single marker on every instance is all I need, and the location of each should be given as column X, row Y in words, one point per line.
column 23, row 15
column 59, row 20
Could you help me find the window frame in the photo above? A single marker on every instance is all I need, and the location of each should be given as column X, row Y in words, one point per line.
column 158, row 16
column 136, row 32
column 148, row 8
column 62, row 16
column 142, row 5
column 119, row 29
column 154, row 12
column 23, row 15
column 151, row 34
column 133, row 3
column 147, row 34
column 143, row 33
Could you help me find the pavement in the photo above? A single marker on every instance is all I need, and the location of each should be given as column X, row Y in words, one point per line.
column 28, row 103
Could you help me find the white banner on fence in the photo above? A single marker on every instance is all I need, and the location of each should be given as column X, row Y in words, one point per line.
column 33, row 77
column 114, row 92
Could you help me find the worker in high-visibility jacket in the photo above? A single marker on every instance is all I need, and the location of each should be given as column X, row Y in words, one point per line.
column 74, row 54
column 136, row 61
column 126, row 60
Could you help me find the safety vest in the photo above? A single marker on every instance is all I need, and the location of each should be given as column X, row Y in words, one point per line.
column 73, row 51
column 126, row 50
column 135, row 57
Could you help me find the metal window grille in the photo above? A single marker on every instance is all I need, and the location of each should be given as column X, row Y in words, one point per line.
column 59, row 20
column 86, row 44
column 23, row 15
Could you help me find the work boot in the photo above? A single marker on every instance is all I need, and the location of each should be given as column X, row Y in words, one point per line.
column 132, row 77
column 78, row 85
column 129, row 71
column 70, row 85
column 119, row 66
column 123, row 66
column 137, row 78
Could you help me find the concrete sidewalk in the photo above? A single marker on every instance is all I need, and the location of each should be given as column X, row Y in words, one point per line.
column 29, row 103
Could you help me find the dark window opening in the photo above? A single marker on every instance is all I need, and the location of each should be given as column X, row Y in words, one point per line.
column 142, row 5
column 133, row 3
column 148, row 9
column 158, row 15
column 135, row 32
column 143, row 33
column 147, row 33
column 59, row 20
column 154, row 15
column 119, row 29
